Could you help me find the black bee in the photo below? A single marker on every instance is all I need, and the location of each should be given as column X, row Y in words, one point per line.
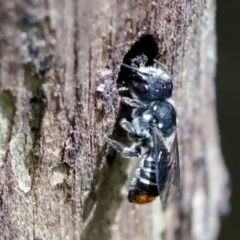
column 153, row 126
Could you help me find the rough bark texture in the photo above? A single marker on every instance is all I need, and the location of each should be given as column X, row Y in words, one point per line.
column 55, row 181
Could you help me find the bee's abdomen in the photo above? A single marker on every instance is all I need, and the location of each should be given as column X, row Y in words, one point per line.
column 143, row 188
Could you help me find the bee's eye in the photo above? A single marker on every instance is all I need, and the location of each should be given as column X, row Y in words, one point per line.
column 140, row 86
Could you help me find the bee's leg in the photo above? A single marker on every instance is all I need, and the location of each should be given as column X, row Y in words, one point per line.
column 133, row 151
column 135, row 103
column 123, row 90
column 128, row 127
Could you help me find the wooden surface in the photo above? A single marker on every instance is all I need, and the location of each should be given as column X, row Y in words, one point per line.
column 55, row 180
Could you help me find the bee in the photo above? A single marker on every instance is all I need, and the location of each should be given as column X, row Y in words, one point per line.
column 153, row 126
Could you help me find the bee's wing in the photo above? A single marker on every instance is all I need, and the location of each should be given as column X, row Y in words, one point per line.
column 167, row 167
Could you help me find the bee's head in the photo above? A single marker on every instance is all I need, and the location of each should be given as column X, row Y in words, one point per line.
column 149, row 83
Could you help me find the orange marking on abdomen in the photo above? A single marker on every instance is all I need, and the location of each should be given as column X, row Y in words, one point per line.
column 141, row 199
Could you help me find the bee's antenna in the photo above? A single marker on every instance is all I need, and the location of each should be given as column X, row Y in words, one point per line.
column 157, row 62
column 134, row 69
column 161, row 66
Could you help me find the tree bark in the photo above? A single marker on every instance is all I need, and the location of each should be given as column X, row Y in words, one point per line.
column 57, row 180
